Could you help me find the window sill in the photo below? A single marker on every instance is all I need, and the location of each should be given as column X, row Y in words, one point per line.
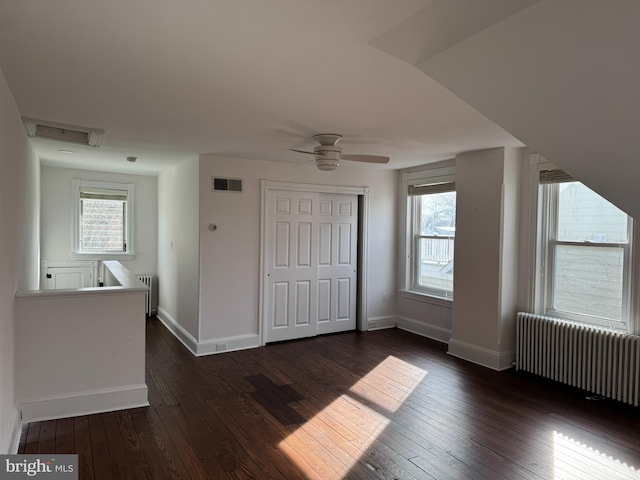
column 102, row 256
column 426, row 298
column 590, row 322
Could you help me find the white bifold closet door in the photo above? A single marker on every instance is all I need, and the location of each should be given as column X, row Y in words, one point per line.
column 311, row 244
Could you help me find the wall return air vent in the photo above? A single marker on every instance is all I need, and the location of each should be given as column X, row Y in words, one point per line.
column 227, row 184
column 63, row 133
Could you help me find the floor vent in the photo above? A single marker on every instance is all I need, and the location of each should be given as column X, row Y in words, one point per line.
column 227, row 184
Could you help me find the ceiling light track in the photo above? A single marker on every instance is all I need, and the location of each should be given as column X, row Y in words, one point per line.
column 63, row 133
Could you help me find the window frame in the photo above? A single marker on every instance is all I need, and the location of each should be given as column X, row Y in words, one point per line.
column 548, row 241
column 416, row 256
column 77, row 252
column 413, row 233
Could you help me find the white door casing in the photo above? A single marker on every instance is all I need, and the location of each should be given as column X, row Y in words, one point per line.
column 309, row 259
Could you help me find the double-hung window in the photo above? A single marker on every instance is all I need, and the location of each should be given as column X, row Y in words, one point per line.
column 433, row 207
column 586, row 253
column 103, row 219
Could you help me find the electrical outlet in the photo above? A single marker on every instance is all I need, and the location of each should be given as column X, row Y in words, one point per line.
column 385, row 296
column 221, row 347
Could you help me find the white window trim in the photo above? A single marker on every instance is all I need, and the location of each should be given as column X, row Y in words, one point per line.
column 76, row 254
column 542, row 293
column 437, row 174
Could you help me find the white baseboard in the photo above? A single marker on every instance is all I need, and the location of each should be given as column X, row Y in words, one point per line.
column 379, row 323
column 481, row 356
column 424, row 329
column 228, row 344
column 85, row 403
column 178, row 330
column 12, row 441
column 207, row 347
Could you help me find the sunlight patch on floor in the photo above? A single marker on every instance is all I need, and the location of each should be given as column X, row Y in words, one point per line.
column 389, row 384
column 573, row 459
column 330, row 443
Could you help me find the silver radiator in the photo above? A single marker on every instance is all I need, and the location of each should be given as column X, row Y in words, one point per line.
column 151, row 302
column 603, row 362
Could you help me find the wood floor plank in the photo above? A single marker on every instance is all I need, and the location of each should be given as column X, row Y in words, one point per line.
column 65, row 439
column 133, row 450
column 23, row 439
column 118, row 458
column 217, row 450
column 31, row 439
column 378, row 405
column 82, row 446
column 101, row 456
column 47, row 438
column 251, row 431
column 180, row 443
column 158, row 449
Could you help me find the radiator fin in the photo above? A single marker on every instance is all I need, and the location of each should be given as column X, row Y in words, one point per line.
column 151, row 303
column 604, row 362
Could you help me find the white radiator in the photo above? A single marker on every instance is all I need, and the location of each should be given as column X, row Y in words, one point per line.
column 603, row 362
column 151, row 304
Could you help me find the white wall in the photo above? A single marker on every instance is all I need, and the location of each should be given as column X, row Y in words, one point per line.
column 178, row 247
column 562, row 78
column 230, row 256
column 57, row 215
column 514, row 161
column 487, row 187
column 80, row 352
column 19, row 234
column 429, row 317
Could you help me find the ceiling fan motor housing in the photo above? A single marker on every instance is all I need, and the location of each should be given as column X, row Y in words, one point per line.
column 327, row 139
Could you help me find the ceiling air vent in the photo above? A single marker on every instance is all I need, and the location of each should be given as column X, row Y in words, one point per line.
column 63, row 133
column 227, row 184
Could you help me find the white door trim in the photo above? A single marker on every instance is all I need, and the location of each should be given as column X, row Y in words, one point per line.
column 265, row 186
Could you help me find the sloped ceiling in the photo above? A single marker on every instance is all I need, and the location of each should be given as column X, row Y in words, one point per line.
column 168, row 80
column 563, row 76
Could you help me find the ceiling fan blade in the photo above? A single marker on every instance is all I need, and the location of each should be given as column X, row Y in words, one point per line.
column 366, row 158
column 301, row 151
column 305, row 163
column 317, row 154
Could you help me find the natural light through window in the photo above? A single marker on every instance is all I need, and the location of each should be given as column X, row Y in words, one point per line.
column 103, row 219
column 394, row 379
column 586, row 248
column 573, row 459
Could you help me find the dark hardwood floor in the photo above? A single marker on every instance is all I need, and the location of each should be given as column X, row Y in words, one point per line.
column 377, row 405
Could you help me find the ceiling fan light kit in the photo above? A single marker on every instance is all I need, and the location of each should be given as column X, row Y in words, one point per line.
column 328, row 153
column 327, row 164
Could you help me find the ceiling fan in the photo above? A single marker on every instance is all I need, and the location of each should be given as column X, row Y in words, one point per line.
column 328, row 154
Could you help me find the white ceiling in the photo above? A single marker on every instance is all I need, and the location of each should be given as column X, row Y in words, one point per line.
column 168, row 80
column 564, row 77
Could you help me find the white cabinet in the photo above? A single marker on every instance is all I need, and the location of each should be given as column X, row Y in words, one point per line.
column 57, row 275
